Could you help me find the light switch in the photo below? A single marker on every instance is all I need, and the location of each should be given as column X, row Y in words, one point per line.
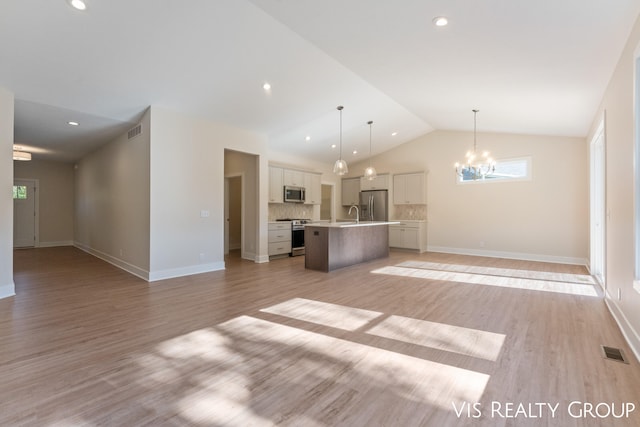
column 204, row 214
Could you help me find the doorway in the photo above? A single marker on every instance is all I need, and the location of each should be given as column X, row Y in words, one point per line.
column 598, row 206
column 326, row 202
column 25, row 213
column 233, row 214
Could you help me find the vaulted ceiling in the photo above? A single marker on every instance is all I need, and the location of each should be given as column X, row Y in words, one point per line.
column 529, row 67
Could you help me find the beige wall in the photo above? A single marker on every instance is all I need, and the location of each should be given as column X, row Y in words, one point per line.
column 55, row 199
column 7, row 287
column 187, row 177
column 618, row 103
column 542, row 219
column 112, row 202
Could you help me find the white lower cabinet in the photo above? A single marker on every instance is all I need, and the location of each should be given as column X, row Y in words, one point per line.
column 279, row 238
column 409, row 235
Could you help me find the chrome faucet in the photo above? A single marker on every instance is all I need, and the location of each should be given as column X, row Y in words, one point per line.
column 357, row 213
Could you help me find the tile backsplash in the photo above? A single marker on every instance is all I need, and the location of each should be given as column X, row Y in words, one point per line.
column 411, row 212
column 290, row 210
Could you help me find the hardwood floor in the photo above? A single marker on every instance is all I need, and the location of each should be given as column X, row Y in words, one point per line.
column 411, row 340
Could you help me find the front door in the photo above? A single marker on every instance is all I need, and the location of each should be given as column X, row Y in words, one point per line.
column 24, row 213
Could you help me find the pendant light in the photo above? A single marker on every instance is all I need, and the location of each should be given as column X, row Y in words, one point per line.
column 340, row 167
column 370, row 172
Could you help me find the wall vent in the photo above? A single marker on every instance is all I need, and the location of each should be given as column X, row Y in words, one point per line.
column 612, row 353
column 135, row 131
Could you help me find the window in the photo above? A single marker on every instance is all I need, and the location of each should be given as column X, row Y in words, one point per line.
column 20, row 192
column 505, row 170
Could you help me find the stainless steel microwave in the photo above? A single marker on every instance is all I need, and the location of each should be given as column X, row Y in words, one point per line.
column 294, row 194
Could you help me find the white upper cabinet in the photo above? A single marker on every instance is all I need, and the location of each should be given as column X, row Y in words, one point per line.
column 409, row 189
column 313, row 189
column 276, row 185
column 350, row 191
column 294, row 178
column 381, row 182
column 279, row 177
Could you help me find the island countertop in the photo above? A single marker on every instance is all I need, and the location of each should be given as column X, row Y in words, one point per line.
column 350, row 224
column 333, row 245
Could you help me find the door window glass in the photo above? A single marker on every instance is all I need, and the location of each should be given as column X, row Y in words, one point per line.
column 20, row 192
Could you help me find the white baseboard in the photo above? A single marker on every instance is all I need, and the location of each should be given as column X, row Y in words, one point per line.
column 510, row 255
column 7, row 290
column 55, row 244
column 251, row 256
column 129, row 268
column 185, row 271
column 629, row 332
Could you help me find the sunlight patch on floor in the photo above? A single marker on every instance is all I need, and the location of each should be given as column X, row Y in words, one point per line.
column 504, row 272
column 249, row 371
column 486, row 280
column 323, row 313
column 346, row 362
column 455, row 339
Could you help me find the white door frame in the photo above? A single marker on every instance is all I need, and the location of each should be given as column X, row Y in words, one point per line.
column 598, row 203
column 35, row 184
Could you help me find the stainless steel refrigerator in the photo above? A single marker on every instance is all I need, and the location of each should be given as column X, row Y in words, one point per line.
column 374, row 205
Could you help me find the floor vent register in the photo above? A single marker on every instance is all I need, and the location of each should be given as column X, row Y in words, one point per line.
column 612, row 353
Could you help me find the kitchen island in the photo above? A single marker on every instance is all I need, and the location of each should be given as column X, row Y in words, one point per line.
column 333, row 245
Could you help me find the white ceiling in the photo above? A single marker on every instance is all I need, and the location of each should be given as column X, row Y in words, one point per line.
column 529, row 67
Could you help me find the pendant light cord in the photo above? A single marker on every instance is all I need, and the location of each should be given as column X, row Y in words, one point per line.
column 370, row 133
column 475, row 113
column 340, row 108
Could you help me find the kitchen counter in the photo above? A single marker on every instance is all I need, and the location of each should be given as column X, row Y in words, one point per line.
column 351, row 224
column 333, row 245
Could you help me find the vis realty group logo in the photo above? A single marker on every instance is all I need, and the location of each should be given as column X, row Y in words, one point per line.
column 544, row 410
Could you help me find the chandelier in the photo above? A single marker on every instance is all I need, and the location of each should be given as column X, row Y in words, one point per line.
column 476, row 166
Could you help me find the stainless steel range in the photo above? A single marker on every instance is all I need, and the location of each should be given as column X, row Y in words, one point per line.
column 297, row 235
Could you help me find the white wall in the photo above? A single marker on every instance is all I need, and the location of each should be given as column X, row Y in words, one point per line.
column 112, row 202
column 542, row 219
column 187, row 177
column 618, row 103
column 7, row 287
column 55, row 199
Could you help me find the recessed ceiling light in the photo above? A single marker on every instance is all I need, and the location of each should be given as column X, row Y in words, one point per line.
column 394, row 133
column 307, row 138
column 440, row 21
column 78, row 4
column 73, row 123
column 266, row 86
column 333, row 145
column 355, row 151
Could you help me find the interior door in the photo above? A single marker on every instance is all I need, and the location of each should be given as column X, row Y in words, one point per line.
column 24, row 213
